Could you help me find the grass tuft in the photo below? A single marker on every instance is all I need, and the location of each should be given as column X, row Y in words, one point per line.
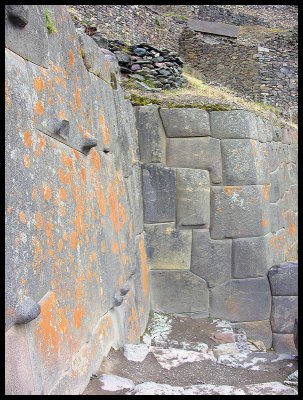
column 49, row 22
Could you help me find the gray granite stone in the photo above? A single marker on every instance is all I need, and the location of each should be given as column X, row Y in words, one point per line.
column 257, row 330
column 284, row 343
column 233, row 124
column 284, row 310
column 283, row 279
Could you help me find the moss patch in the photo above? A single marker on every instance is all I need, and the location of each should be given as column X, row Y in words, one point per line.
column 49, row 22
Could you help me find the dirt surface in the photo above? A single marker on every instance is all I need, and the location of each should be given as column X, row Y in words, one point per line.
column 169, row 335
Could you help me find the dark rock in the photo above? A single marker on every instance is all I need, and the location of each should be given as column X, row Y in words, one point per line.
column 101, row 40
column 295, row 333
column 164, row 72
column 122, row 57
column 18, row 14
column 139, row 51
column 135, row 67
column 125, row 70
column 158, row 59
column 137, row 77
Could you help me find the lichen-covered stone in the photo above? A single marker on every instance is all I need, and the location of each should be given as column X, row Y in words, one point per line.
column 211, row 259
column 193, row 197
column 241, row 300
column 167, row 247
column 283, row 279
column 235, row 124
column 185, row 122
column 283, row 313
column 257, row 330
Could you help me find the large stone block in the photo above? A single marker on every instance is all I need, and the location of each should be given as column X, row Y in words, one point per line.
column 201, row 153
column 211, row 259
column 265, row 130
column 235, row 124
column 257, row 330
column 244, row 162
column 167, row 247
column 278, row 246
column 239, row 211
column 185, row 122
column 193, row 197
column 273, row 156
column 274, row 188
column 283, row 279
column 151, row 134
column 159, row 193
column 284, row 343
column 31, row 40
column 178, row 292
column 250, row 257
column 241, row 300
column 134, row 188
column 274, row 217
column 284, row 310
column 216, row 28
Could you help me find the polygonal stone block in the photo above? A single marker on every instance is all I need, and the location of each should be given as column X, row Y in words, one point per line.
column 250, row 257
column 284, row 310
column 293, row 197
column 274, row 188
column 273, row 156
column 283, row 279
column 239, row 211
column 167, row 247
column 274, row 217
column 178, row 292
column 241, row 300
column 201, row 153
column 31, row 40
column 284, row 343
column 211, row 259
column 243, row 162
column 193, row 197
column 134, row 187
column 151, row 134
column 293, row 153
column 265, row 130
column 257, row 330
column 278, row 246
column 159, row 193
column 185, row 122
column 235, row 124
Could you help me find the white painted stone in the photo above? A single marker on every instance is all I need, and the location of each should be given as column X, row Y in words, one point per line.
column 136, row 352
column 113, row 383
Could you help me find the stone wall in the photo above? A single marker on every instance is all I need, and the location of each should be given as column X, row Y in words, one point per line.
column 76, row 274
column 220, row 208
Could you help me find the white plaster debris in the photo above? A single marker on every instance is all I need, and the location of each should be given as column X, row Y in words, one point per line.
column 225, row 348
column 172, row 358
column 238, row 361
column 147, row 339
column 269, row 388
column 113, row 383
column 136, row 352
column 153, row 388
column 283, row 357
column 198, row 346
column 159, row 328
column 225, row 325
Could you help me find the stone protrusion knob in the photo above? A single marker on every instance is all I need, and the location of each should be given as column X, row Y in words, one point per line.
column 124, row 289
column 18, row 15
column 26, row 311
column 117, row 300
column 63, row 131
column 89, row 142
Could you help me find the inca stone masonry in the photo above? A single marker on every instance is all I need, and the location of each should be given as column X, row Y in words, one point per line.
column 112, row 211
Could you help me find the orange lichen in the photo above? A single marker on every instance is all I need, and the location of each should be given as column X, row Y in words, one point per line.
column 266, row 192
column 27, row 139
column 120, row 281
column 57, row 80
column 47, row 192
column 113, row 204
column 96, row 162
column 7, row 98
column 100, row 199
column 103, row 246
column 39, row 108
column 83, row 174
column 115, row 247
column 292, row 229
column 63, row 211
column 61, row 114
column 50, row 101
column 104, row 129
column 39, row 84
column 264, row 223
column 77, row 98
column 62, row 194
column 22, row 217
column 27, row 161
column 144, row 269
column 71, row 59
column 39, row 220
column 73, row 240
column 60, row 244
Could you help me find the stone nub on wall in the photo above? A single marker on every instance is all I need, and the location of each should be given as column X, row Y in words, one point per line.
column 220, row 208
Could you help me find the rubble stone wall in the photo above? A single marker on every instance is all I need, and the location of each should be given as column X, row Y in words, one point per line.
column 220, row 209
column 76, row 274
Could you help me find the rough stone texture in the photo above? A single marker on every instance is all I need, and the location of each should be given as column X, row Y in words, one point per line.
column 181, row 122
column 243, row 162
column 211, row 259
column 283, row 279
column 151, row 134
column 167, row 247
column 233, row 125
column 31, row 40
column 215, row 28
column 283, row 343
column 18, row 369
column 201, row 153
column 250, row 257
column 159, row 193
column 283, row 313
column 193, row 197
column 257, row 330
column 239, row 211
column 178, row 292
column 241, row 300
column 26, row 311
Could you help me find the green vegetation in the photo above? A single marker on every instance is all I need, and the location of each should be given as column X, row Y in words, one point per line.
column 82, row 53
column 49, row 22
column 149, row 82
column 268, row 107
column 158, row 22
column 138, row 100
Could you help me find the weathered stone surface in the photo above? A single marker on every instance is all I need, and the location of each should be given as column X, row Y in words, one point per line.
column 167, row 247
column 233, row 125
column 257, row 330
column 31, row 40
column 274, row 188
column 151, row 134
column 284, row 310
column 283, row 279
column 178, row 292
column 159, row 193
column 292, row 173
column 239, row 211
column 250, row 257
column 18, row 369
column 211, row 259
column 133, row 184
column 243, row 162
column 216, row 28
column 277, row 245
column 273, row 156
column 185, row 122
column 241, row 300
column 201, row 153
column 193, row 197
column 26, row 311
column 274, row 217
column 283, row 343
column 293, row 153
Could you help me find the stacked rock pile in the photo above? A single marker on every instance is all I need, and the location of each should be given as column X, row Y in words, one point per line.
column 151, row 67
